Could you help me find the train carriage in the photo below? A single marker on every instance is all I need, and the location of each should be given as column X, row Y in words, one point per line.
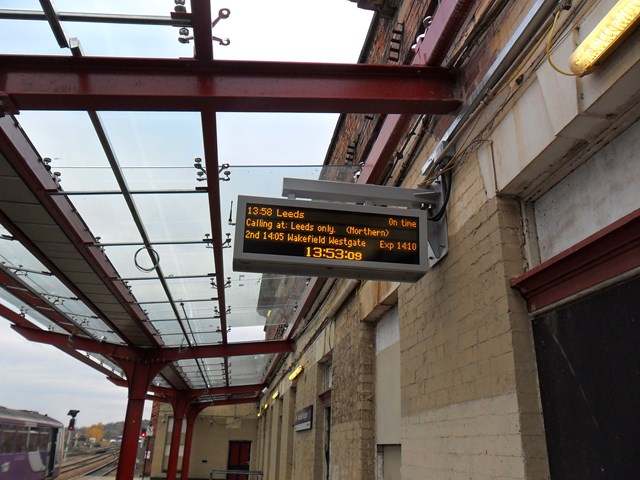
column 29, row 445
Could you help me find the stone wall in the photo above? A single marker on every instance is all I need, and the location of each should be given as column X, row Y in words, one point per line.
column 469, row 396
column 470, row 407
column 353, row 415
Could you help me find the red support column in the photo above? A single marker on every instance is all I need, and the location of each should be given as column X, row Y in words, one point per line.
column 139, row 376
column 192, row 414
column 180, row 405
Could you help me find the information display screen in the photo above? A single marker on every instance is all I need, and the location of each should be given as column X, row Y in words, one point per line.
column 328, row 239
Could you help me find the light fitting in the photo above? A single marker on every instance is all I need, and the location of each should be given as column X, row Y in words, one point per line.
column 296, row 372
column 604, row 38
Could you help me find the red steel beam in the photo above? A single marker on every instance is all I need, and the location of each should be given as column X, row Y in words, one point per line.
column 154, row 354
column 26, row 162
column 35, row 301
column 222, row 350
column 447, row 21
column 22, row 322
column 217, row 403
column 229, row 390
column 210, row 143
column 201, row 21
column 132, row 84
column 203, row 51
column 234, row 401
column 80, row 343
column 600, row 257
column 199, row 392
column 32, row 300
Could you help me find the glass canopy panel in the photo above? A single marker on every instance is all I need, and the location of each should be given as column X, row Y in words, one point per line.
column 248, row 369
column 18, row 306
column 172, row 218
column 199, row 332
column 122, row 257
column 246, row 28
column 24, row 37
column 151, row 290
column 168, row 328
column 22, row 5
column 192, row 287
column 107, row 363
column 64, row 301
column 162, row 311
column 199, row 376
column 175, row 260
column 181, row 260
column 274, row 138
column 251, row 333
column 70, row 141
column 14, row 255
column 157, row 151
column 107, row 217
column 298, row 32
column 115, row 40
column 130, row 7
column 212, row 364
column 17, row 259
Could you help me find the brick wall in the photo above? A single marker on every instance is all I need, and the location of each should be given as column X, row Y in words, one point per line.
column 469, row 394
column 353, row 415
column 307, row 444
column 470, row 406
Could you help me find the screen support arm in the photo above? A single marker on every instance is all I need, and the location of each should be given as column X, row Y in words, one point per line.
column 429, row 197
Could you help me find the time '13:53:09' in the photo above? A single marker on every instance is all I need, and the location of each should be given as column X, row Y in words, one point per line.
column 335, row 253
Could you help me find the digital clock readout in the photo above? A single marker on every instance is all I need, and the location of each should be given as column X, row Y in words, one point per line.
column 330, row 235
column 326, row 239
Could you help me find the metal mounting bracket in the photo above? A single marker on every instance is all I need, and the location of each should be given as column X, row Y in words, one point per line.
column 437, row 239
column 359, row 193
column 430, row 197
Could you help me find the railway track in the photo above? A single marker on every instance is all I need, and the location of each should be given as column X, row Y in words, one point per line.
column 89, row 465
column 104, row 470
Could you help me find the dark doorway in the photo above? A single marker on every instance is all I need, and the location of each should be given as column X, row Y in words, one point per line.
column 588, row 356
column 239, row 459
column 52, row 453
column 327, row 442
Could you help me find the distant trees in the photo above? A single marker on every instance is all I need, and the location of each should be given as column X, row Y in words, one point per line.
column 96, row 432
column 106, row 431
column 113, row 430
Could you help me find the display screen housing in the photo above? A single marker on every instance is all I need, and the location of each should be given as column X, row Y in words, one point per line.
column 329, row 239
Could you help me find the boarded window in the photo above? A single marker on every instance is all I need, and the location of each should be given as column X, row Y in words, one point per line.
column 589, row 369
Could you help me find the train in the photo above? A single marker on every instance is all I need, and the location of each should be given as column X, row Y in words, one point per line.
column 30, row 445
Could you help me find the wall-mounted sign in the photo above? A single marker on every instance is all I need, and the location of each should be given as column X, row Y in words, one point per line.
column 329, row 239
column 304, row 419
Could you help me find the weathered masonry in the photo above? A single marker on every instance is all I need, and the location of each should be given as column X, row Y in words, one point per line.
column 513, row 357
column 503, row 347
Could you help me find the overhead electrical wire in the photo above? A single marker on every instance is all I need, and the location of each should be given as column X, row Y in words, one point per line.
column 465, row 145
column 549, row 44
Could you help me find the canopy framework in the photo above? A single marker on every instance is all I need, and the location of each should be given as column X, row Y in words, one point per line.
column 201, row 85
column 181, row 354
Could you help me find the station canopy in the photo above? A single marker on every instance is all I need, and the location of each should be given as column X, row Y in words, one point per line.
column 127, row 134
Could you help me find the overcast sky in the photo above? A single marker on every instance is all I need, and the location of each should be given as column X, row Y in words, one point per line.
column 40, row 377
